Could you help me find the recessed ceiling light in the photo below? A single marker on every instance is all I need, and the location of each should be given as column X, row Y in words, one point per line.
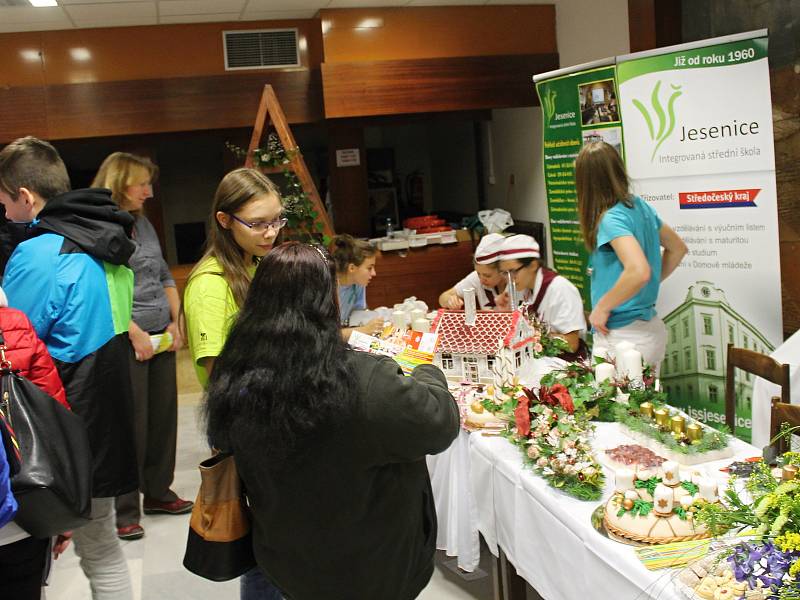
column 43, row 3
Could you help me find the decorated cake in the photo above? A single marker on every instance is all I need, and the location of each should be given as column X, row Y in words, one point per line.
column 657, row 509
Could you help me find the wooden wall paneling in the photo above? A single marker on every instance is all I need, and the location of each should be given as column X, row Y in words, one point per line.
column 23, row 64
column 154, row 105
column 423, row 272
column 23, row 111
column 143, row 52
column 348, row 185
column 431, row 85
column 372, row 34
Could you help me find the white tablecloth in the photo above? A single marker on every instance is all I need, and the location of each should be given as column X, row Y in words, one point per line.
column 763, row 391
column 456, row 512
column 548, row 536
column 456, row 509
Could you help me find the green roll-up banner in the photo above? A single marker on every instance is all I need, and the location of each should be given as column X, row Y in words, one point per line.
column 577, row 107
column 697, row 142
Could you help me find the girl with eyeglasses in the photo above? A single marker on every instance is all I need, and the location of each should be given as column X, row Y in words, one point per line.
column 246, row 216
column 355, row 268
column 553, row 298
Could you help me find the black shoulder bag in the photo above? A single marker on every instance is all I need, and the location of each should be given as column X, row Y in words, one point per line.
column 49, row 455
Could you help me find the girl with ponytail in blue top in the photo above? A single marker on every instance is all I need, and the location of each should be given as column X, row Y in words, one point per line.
column 624, row 235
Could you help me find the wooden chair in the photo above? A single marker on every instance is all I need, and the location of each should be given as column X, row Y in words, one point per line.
column 783, row 413
column 758, row 364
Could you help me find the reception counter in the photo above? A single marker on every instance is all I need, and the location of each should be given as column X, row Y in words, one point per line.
column 422, row 272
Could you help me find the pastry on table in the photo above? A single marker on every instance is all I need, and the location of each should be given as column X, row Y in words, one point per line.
column 477, row 417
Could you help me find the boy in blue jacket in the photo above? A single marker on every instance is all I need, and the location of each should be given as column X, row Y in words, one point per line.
column 72, row 280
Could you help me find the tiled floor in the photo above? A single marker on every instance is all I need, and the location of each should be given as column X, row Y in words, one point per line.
column 155, row 560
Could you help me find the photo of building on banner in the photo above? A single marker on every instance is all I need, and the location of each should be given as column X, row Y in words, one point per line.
column 577, row 107
column 705, row 161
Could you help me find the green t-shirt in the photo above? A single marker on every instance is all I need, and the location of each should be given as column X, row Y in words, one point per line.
column 210, row 311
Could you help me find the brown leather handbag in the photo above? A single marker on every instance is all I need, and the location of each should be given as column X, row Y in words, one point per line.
column 220, row 544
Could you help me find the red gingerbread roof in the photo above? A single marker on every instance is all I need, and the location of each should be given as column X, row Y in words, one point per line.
column 492, row 331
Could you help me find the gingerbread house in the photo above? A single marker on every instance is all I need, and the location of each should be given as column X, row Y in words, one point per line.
column 471, row 353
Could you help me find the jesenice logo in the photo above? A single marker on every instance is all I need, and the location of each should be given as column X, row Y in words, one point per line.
column 666, row 120
column 549, row 104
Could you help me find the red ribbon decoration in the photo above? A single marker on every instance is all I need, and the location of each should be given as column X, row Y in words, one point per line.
column 522, row 416
column 557, row 395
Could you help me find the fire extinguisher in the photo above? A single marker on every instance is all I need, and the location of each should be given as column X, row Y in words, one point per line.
column 415, row 191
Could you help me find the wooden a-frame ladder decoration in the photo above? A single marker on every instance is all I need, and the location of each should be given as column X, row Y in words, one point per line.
column 269, row 110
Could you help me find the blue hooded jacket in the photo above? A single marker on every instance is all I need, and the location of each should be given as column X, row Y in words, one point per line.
column 8, row 504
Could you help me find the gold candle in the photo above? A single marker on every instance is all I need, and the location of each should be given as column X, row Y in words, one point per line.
column 694, row 432
column 662, row 417
column 678, row 424
column 788, row 472
column 646, row 409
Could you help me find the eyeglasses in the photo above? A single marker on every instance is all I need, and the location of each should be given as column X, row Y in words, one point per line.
column 513, row 272
column 262, row 226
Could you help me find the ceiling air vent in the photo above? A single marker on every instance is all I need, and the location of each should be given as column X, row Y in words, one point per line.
column 260, row 49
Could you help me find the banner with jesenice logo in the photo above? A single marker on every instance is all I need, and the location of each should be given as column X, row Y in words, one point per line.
column 699, row 148
column 579, row 105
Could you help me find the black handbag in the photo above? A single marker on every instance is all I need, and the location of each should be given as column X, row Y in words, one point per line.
column 220, row 543
column 48, row 451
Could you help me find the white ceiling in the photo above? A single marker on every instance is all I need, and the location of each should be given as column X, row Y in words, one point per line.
column 18, row 15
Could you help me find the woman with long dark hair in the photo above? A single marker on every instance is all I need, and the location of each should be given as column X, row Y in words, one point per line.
column 330, row 443
column 624, row 235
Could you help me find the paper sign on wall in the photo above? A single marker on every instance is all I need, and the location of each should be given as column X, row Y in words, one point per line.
column 348, row 157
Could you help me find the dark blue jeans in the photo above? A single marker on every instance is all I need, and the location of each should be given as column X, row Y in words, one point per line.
column 254, row 586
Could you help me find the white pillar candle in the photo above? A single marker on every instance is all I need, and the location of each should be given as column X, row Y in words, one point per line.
column 469, row 307
column 621, row 347
column 670, row 473
column 417, row 314
column 624, row 479
column 662, row 500
column 600, row 352
column 697, row 475
column 399, row 319
column 420, row 325
column 708, row 489
column 603, row 372
column 631, row 364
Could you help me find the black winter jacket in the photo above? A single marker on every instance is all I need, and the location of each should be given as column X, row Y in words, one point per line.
column 351, row 516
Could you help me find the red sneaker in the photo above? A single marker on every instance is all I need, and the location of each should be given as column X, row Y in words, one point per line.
column 176, row 507
column 130, row 532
